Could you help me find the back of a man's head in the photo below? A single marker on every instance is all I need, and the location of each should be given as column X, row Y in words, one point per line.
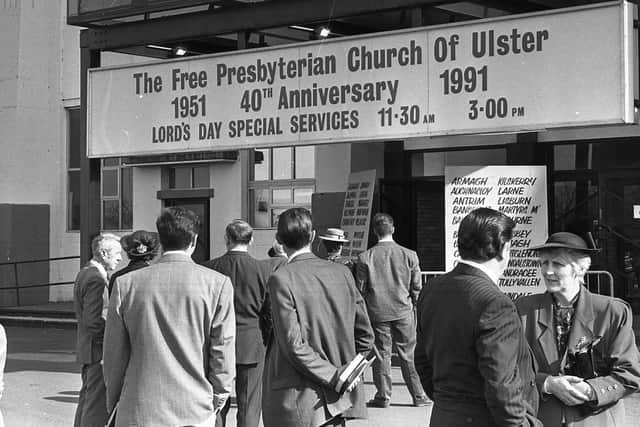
column 483, row 233
column 177, row 228
column 382, row 225
column 239, row 232
column 295, row 228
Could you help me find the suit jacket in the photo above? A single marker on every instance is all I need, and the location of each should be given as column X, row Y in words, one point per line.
column 249, row 279
column 389, row 277
column 616, row 356
column 133, row 265
column 319, row 322
column 169, row 343
column 471, row 355
column 90, row 303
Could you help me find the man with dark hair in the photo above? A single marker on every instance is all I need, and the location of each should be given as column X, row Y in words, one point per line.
column 249, row 279
column 169, row 355
column 388, row 276
column 90, row 300
column 319, row 324
column 471, row 354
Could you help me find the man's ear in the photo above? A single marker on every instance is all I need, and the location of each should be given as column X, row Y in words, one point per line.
column 504, row 253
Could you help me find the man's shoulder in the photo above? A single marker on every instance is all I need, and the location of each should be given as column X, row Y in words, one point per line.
column 528, row 303
column 88, row 273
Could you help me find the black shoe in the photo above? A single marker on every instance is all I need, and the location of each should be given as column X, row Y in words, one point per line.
column 421, row 401
column 377, row 402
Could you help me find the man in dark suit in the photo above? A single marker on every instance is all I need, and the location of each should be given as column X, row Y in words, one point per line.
column 471, row 353
column 319, row 324
column 169, row 346
column 249, row 279
column 90, row 303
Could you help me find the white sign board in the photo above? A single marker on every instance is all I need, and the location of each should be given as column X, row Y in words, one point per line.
column 356, row 213
column 518, row 191
column 567, row 67
column 636, row 211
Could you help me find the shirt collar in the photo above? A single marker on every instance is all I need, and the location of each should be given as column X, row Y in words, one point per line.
column 492, row 275
column 100, row 267
column 305, row 250
column 177, row 252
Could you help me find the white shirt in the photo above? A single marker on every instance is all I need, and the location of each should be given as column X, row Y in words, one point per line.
column 305, row 250
column 492, row 274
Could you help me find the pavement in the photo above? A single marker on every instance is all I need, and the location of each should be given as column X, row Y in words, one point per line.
column 42, row 381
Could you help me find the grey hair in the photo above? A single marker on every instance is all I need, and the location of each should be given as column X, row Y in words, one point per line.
column 98, row 242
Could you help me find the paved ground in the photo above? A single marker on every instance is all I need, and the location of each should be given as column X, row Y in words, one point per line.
column 42, row 382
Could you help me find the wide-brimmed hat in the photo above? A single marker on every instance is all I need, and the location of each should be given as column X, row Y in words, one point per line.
column 334, row 235
column 566, row 240
column 140, row 243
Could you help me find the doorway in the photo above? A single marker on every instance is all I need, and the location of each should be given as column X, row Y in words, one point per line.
column 618, row 230
column 200, row 206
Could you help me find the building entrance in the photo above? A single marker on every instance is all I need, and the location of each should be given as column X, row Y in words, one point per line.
column 200, row 207
column 618, row 229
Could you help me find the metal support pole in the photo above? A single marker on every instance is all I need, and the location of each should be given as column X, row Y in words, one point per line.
column 89, row 168
column 15, row 277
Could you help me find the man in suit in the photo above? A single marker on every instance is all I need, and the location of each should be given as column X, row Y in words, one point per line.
column 389, row 277
column 90, row 302
column 249, row 279
column 471, row 353
column 319, row 324
column 169, row 355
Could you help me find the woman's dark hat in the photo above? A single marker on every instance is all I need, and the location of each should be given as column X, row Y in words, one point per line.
column 566, row 240
column 140, row 244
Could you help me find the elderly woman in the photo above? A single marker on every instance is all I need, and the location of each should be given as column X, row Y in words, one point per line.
column 567, row 318
column 141, row 247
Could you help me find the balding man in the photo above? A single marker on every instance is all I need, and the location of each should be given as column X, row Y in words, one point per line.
column 90, row 300
column 249, row 278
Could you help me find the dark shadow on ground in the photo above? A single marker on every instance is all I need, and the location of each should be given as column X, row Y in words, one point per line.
column 63, row 399
column 40, row 365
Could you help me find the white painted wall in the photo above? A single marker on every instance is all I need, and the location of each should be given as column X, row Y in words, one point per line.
column 226, row 180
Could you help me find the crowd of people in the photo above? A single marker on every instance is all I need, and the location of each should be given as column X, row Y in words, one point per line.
column 163, row 341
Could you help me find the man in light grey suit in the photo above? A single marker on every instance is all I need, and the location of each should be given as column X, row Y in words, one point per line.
column 90, row 304
column 169, row 344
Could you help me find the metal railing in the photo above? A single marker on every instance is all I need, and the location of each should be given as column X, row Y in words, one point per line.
column 595, row 280
column 17, row 287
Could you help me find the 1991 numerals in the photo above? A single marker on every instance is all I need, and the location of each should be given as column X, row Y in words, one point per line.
column 455, row 80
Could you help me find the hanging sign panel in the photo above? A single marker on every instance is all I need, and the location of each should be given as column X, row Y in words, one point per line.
column 356, row 212
column 568, row 67
column 520, row 192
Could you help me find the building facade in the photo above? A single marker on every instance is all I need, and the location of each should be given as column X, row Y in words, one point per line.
column 593, row 172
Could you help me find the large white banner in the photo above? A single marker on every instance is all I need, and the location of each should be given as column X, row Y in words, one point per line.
column 518, row 191
column 569, row 67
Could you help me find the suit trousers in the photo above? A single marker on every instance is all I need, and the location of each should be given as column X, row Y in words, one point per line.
column 92, row 401
column 402, row 334
column 249, row 393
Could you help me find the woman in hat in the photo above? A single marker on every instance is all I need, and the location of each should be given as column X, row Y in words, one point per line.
column 141, row 247
column 583, row 343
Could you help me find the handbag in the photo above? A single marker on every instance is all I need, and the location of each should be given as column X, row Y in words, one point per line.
column 580, row 360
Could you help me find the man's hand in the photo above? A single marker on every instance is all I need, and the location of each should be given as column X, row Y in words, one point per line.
column 568, row 389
